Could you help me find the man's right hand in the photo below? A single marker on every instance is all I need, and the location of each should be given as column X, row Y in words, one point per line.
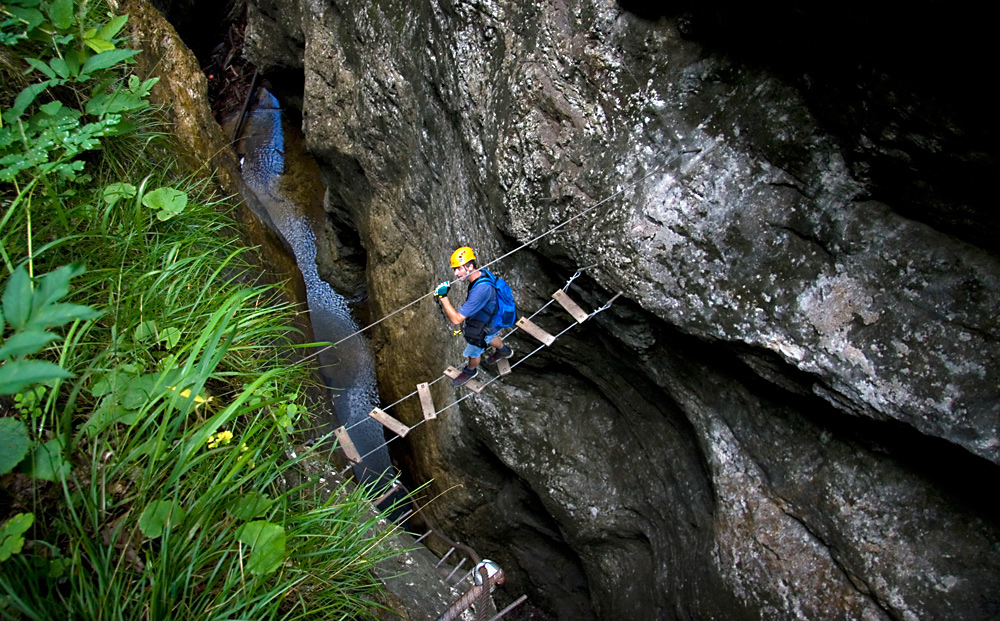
column 442, row 289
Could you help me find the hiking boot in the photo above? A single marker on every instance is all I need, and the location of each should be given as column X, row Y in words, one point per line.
column 465, row 376
column 500, row 354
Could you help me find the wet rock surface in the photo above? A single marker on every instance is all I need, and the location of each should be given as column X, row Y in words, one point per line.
column 792, row 412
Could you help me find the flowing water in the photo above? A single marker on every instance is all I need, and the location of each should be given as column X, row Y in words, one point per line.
column 348, row 370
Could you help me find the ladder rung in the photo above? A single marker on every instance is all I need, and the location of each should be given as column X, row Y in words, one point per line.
column 391, row 423
column 426, row 402
column 526, row 324
column 503, row 366
column 389, row 492
column 571, row 307
column 445, row 557
column 347, row 446
column 457, row 567
column 474, row 385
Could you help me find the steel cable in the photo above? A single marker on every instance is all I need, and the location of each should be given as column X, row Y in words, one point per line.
column 504, row 256
column 471, row 394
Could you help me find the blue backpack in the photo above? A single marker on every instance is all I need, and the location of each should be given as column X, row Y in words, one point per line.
column 505, row 313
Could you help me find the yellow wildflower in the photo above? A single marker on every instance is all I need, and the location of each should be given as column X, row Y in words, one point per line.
column 198, row 399
column 218, row 439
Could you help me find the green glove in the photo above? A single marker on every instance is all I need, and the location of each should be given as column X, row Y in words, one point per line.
column 442, row 289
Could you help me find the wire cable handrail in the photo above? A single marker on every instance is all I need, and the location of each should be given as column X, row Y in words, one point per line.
column 565, row 287
column 548, row 232
column 471, row 394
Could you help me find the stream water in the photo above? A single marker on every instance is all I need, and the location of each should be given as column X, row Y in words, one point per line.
column 348, row 370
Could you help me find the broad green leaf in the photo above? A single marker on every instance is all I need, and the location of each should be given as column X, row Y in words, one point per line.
column 17, row 298
column 41, row 66
column 118, row 101
column 61, row 13
column 108, row 413
column 58, row 567
column 10, row 545
column 158, row 515
column 25, row 98
column 16, row 375
column 144, row 331
column 99, row 45
column 61, row 67
column 11, row 540
column 52, row 108
column 250, row 505
column 107, row 59
column 169, row 201
column 31, row 17
column 25, row 343
column 60, row 314
column 18, row 525
column 267, row 543
column 109, row 30
column 47, row 462
column 141, row 89
column 74, row 59
column 14, row 443
column 55, row 285
column 117, row 191
column 171, row 337
column 114, row 380
column 138, row 390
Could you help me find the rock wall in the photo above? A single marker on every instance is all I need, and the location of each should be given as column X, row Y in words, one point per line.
column 792, row 412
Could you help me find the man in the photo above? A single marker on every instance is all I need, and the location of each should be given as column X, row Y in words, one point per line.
column 477, row 314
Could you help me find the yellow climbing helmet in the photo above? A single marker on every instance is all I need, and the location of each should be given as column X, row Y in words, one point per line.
column 462, row 256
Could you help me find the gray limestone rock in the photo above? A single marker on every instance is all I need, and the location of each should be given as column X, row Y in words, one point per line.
column 792, row 412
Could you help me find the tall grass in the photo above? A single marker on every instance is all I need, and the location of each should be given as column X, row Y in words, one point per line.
column 158, row 470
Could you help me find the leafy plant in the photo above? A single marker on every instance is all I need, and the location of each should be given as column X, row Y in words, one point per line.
column 11, row 540
column 14, row 443
column 32, row 312
column 47, row 461
column 49, row 140
column 158, row 515
column 267, row 541
column 167, row 202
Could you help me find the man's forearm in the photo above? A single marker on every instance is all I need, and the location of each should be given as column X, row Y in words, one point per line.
column 450, row 311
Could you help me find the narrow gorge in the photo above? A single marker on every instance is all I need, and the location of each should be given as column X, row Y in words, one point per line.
column 792, row 410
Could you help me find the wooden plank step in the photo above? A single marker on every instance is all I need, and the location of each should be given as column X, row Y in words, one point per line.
column 571, row 307
column 503, row 366
column 426, row 402
column 531, row 328
column 391, row 423
column 473, row 384
column 347, row 446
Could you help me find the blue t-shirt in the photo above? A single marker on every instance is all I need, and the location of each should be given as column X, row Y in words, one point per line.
column 478, row 298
